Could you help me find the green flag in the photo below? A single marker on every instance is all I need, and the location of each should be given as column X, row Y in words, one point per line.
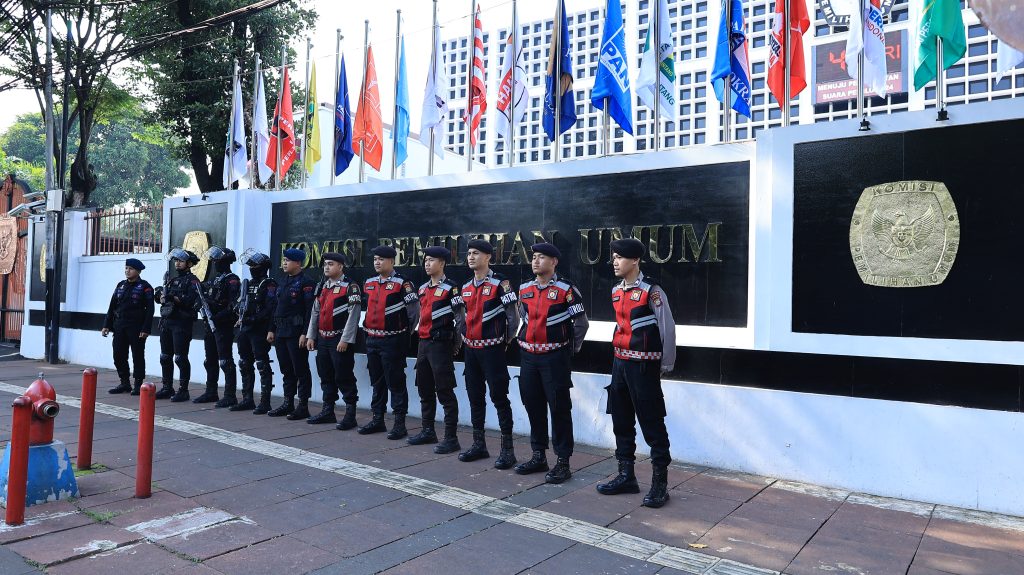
column 941, row 19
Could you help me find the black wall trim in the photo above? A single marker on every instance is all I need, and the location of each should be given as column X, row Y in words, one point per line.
column 975, row 385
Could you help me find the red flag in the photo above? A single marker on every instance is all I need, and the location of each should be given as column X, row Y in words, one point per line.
column 282, row 125
column 368, row 130
column 476, row 103
column 798, row 25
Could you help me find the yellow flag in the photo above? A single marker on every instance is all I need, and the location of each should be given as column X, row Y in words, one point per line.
column 312, row 125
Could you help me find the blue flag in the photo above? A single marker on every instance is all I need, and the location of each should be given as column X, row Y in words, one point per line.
column 731, row 59
column 401, row 128
column 560, row 47
column 612, row 75
column 343, row 152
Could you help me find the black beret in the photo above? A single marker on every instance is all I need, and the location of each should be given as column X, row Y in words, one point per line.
column 134, row 263
column 335, row 257
column 439, row 252
column 546, row 249
column 482, row 246
column 295, row 255
column 629, row 248
column 384, row 252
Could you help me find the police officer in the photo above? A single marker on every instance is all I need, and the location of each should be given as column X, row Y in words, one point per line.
column 178, row 302
column 288, row 334
column 221, row 295
column 554, row 326
column 130, row 318
column 392, row 307
column 440, row 323
column 332, row 331
column 645, row 347
column 492, row 317
column 255, row 310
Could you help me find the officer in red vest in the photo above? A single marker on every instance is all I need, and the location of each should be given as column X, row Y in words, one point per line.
column 645, row 347
column 442, row 314
column 492, row 317
column 392, row 307
column 332, row 331
column 554, row 326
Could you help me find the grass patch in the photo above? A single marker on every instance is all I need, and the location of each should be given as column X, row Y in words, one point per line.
column 100, row 517
column 96, row 468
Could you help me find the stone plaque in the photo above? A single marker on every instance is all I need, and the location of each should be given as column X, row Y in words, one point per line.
column 904, row 234
column 198, row 242
column 8, row 243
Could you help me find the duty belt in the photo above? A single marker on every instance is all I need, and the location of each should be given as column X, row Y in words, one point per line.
column 479, row 343
column 381, row 333
column 641, row 355
column 541, row 347
column 330, row 333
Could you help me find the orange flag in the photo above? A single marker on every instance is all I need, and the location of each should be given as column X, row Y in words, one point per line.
column 798, row 24
column 368, row 130
column 282, row 126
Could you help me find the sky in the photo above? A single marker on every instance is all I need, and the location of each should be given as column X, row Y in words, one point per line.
column 349, row 16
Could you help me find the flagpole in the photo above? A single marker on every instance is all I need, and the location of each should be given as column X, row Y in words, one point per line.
column 515, row 61
column 556, row 81
column 337, row 86
column 305, row 114
column 864, row 123
column 940, row 83
column 433, row 67
column 656, row 40
column 280, row 116
column 471, row 51
column 253, row 166
column 231, row 130
column 394, row 121
column 787, row 27
column 727, row 91
column 362, row 100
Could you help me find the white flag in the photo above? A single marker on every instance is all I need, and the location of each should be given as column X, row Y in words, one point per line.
column 867, row 34
column 261, row 132
column 658, row 67
column 435, row 101
column 234, row 151
column 1007, row 58
column 512, row 96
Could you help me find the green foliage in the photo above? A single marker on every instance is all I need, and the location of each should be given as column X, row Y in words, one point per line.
column 34, row 175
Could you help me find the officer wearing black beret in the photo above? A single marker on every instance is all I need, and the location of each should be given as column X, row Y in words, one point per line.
column 644, row 343
column 130, row 318
column 440, row 323
column 288, row 334
column 392, row 307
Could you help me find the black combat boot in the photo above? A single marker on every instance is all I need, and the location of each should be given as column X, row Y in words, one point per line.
column 166, row 392
column 182, row 393
column 349, row 421
column 507, row 458
column 376, row 425
column 326, row 415
column 137, row 388
column 425, row 436
column 476, row 451
column 210, row 395
column 537, row 463
column 264, row 406
column 398, row 430
column 624, row 482
column 658, row 495
column 246, row 403
column 248, row 382
column 123, row 387
column 301, row 411
column 228, row 401
column 560, row 473
column 450, row 443
column 284, row 409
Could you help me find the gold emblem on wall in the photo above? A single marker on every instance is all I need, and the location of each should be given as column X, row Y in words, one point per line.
column 197, row 242
column 42, row 262
column 904, row 234
column 8, row 243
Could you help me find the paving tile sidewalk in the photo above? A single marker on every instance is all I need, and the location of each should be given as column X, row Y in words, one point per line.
column 223, row 509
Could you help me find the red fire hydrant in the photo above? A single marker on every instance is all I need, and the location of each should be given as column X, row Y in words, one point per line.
column 44, row 409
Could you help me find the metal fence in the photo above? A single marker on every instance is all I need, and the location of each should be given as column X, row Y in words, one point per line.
column 125, row 230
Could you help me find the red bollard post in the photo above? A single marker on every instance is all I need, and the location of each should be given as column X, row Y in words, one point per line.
column 144, row 455
column 17, row 475
column 86, row 419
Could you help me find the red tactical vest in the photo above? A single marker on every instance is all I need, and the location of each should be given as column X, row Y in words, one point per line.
column 637, row 335
column 385, row 303
column 335, row 306
column 437, row 310
column 486, row 320
column 549, row 311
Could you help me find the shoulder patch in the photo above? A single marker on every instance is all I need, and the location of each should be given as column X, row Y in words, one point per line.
column 505, row 286
column 655, row 297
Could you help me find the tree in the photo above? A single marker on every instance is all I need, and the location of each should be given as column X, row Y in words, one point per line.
column 34, row 175
column 191, row 77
